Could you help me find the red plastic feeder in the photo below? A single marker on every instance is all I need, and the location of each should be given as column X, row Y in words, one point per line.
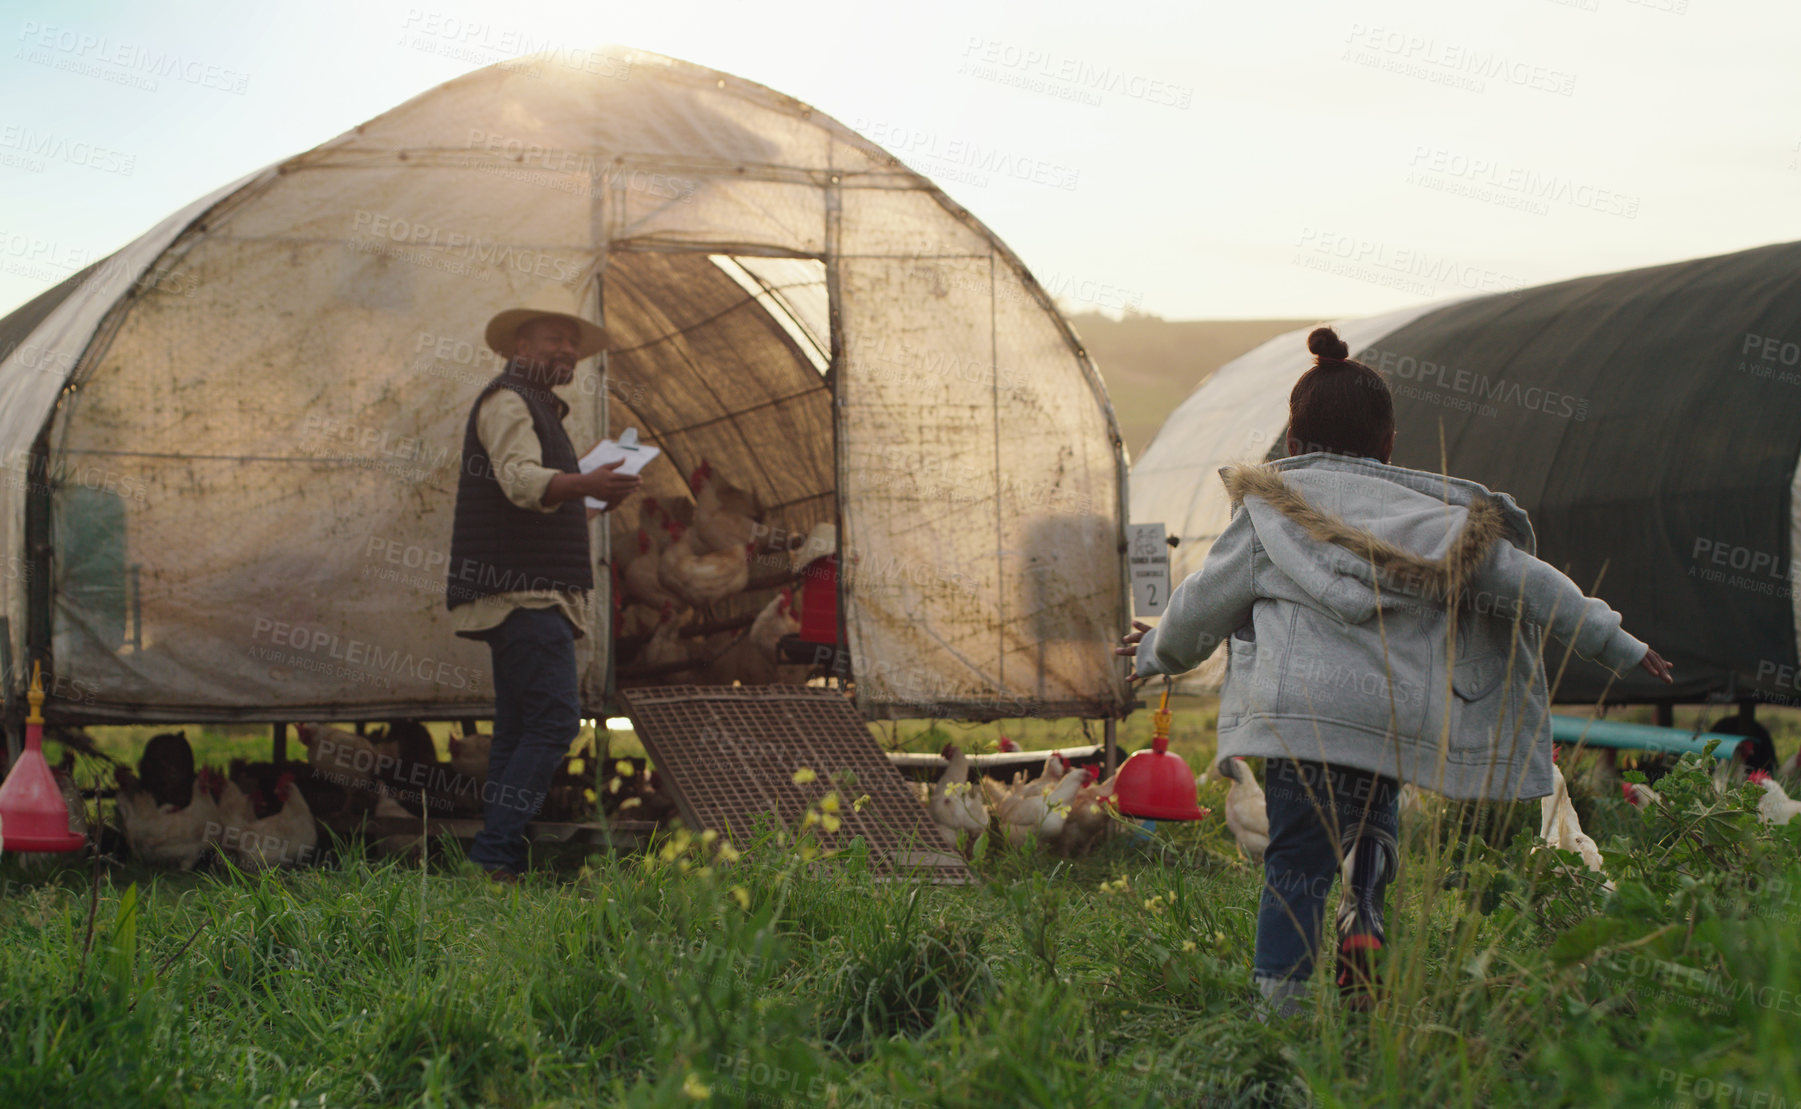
column 1155, row 784
column 33, row 815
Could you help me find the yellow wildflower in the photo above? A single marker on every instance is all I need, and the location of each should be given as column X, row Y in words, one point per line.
column 804, row 775
column 707, row 837
column 694, row 1089
column 742, row 897
column 810, row 819
column 858, row 804
column 829, row 803
column 728, row 853
column 624, row 769
column 1187, row 945
column 575, row 766
column 830, row 823
column 630, row 802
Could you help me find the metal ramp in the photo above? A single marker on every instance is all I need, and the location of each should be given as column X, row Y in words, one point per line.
column 729, row 755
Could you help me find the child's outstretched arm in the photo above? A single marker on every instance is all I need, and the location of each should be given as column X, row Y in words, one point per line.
column 1513, row 581
column 1207, row 607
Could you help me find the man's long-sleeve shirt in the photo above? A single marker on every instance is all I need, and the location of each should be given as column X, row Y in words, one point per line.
column 505, row 427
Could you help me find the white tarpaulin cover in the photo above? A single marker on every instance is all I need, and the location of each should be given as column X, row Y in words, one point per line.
column 251, row 418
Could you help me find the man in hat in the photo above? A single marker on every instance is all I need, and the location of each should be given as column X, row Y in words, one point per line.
column 520, row 570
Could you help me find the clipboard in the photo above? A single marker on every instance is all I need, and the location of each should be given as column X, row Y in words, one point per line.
column 635, row 454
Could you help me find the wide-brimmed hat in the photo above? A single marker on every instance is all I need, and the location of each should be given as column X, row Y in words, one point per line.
column 503, row 329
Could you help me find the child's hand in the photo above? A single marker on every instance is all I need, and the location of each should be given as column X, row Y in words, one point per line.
column 1129, row 641
column 1655, row 666
column 1128, row 646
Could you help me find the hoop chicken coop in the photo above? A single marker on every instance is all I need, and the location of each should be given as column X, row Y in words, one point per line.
column 233, row 445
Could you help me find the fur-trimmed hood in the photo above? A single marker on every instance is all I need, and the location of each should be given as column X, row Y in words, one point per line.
column 1359, row 534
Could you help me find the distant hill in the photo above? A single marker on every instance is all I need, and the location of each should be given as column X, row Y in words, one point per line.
column 1150, row 365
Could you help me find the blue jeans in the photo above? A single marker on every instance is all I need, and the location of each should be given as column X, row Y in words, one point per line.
column 1317, row 813
column 537, row 713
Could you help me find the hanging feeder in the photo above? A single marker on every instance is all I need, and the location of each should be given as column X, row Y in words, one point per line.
column 33, row 814
column 1155, row 784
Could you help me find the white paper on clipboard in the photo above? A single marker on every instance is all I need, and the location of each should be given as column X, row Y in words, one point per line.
column 636, row 455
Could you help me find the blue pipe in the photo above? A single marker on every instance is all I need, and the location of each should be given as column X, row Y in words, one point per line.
column 1572, row 730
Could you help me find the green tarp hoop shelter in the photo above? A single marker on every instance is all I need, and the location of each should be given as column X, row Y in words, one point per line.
column 1649, row 420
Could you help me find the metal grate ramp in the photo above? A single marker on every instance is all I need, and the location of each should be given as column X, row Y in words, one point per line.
column 728, row 754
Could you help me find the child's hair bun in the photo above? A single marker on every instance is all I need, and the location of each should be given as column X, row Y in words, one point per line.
column 1325, row 343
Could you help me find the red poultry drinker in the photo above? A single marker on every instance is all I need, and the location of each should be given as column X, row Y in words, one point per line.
column 33, row 815
column 1154, row 783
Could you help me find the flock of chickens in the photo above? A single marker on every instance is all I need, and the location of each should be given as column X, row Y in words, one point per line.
column 1065, row 808
column 172, row 814
column 688, row 557
column 175, row 815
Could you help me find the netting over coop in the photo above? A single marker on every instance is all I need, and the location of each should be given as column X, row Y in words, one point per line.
column 235, row 443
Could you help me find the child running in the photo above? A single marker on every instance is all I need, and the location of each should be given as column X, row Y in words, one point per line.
column 1383, row 625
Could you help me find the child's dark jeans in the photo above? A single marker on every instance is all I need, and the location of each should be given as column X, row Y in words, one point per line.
column 1317, row 812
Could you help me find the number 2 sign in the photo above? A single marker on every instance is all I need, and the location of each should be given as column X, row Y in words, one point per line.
column 1148, row 556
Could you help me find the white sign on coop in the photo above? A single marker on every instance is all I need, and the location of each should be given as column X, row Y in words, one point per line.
column 1148, row 555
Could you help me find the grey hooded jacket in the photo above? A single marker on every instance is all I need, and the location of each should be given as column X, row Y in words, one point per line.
column 1384, row 619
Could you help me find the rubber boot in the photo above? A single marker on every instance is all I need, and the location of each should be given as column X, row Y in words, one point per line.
column 1369, row 862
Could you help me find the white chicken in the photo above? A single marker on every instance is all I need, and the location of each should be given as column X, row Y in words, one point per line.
column 1638, row 795
column 753, row 658
column 167, row 836
column 1561, row 828
column 699, row 579
column 1774, row 807
column 286, row 837
column 1040, row 808
column 1088, row 814
column 665, row 647
column 236, row 811
column 1247, row 810
column 724, row 515
column 1019, row 788
column 954, row 802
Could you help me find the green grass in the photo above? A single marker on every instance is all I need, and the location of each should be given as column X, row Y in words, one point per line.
column 646, row 981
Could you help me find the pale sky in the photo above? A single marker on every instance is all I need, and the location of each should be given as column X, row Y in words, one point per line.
column 1195, row 160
